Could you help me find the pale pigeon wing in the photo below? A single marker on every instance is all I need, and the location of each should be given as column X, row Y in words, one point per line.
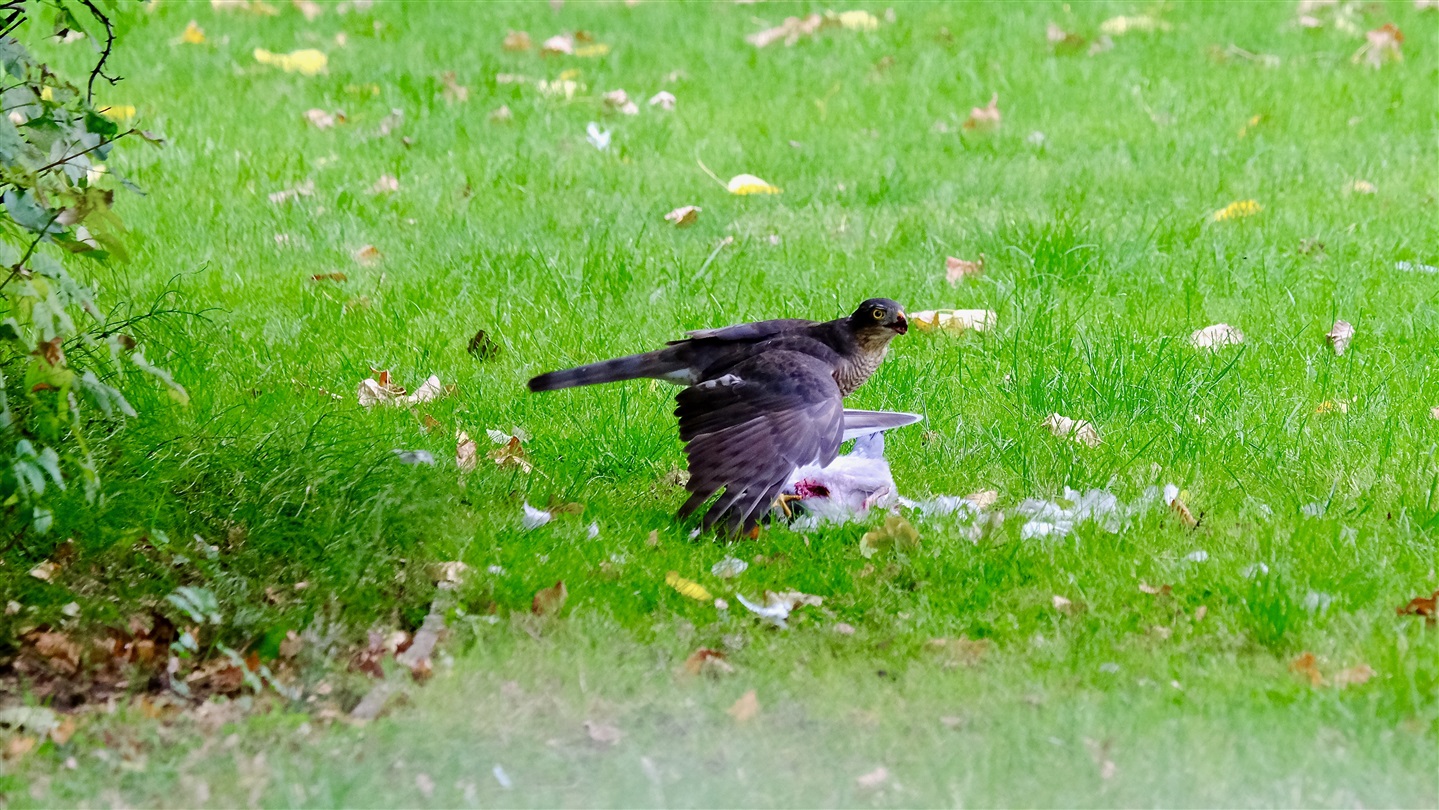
column 862, row 423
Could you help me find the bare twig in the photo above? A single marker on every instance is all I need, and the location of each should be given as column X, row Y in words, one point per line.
column 99, row 69
column 69, row 158
column 29, row 251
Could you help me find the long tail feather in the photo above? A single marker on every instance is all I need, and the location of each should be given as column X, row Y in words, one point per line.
column 862, row 423
column 660, row 363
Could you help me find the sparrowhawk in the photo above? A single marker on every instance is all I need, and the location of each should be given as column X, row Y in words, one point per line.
column 761, row 399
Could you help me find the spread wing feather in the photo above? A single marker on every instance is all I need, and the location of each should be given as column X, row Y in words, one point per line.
column 747, row 430
column 747, row 331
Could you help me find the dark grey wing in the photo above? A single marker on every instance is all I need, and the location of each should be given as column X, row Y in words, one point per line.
column 747, row 331
column 862, row 423
column 748, row 429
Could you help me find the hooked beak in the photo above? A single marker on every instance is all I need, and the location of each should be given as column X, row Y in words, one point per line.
column 901, row 324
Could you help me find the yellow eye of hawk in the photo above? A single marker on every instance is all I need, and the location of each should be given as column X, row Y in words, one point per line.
column 878, row 314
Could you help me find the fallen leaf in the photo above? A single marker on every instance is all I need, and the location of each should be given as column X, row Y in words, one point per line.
column 592, row 50
column 873, row 780
column 896, row 534
column 305, row 189
column 1434, row 413
column 512, row 455
column 956, row 270
column 61, row 733
column 954, row 321
column 481, row 346
column 558, row 45
column 322, row 119
column 603, row 733
column 1308, row 666
column 548, row 601
column 706, row 661
column 559, row 87
column 306, row 61
column 858, row 21
column 1237, row 210
column 366, row 256
column 1216, row 336
column 1185, row 516
column 1121, row 25
column 18, row 747
column 535, row 518
column 1060, row 39
column 1362, row 187
column 56, row 648
column 664, row 99
column 1062, row 604
column 684, row 216
column 1332, row 406
column 1082, row 432
column 686, row 587
column 336, row 277
column 379, row 390
column 193, row 34
column 454, row 92
column 1380, row 45
column 791, row 31
column 1156, row 590
column 1422, row 605
column 746, row 708
column 1340, row 336
column 744, row 184
column 983, row 499
column 1353, row 676
column 844, row 628
column 984, row 119
column 516, row 41
column 466, row 451
column 45, row 571
column 387, row 184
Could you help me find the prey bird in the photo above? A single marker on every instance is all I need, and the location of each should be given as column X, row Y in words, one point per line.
column 760, row 400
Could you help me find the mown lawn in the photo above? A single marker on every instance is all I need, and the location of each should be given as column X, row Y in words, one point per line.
column 1314, row 476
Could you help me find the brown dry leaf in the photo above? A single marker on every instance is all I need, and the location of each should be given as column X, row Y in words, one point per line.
column 291, row 646
column 18, row 747
column 482, row 346
column 1082, row 432
column 873, row 780
column 684, row 216
column 1380, row 45
column 1156, row 590
column 746, row 708
column 517, row 41
column 366, row 256
column 1185, row 516
column 305, row 189
column 603, row 733
column 792, row 30
column 1062, row 40
column 45, row 571
column 954, row 321
column 1340, row 336
column 57, row 649
column 453, row 92
column 956, row 270
column 1308, row 666
column 64, row 730
column 706, row 661
column 1353, row 676
column 1422, row 605
column 1362, row 187
column 512, row 454
column 387, row 184
column 984, row 119
column 548, row 601
column 323, row 119
column 466, row 451
column 337, row 277
column 961, row 651
column 1216, row 336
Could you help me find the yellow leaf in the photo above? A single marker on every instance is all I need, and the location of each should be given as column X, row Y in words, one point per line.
column 749, row 184
column 594, row 50
column 306, row 61
column 858, row 20
column 687, row 587
column 194, row 34
column 1238, row 210
column 118, row 112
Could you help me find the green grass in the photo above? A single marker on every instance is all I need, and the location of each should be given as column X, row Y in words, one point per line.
column 1101, row 259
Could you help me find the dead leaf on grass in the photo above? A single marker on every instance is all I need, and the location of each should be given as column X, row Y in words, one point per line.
column 1062, row 604
column 549, row 601
column 453, row 92
column 684, row 216
column 1423, row 605
column 336, row 277
column 1308, row 666
column 1241, row 209
column 896, row 534
column 1216, row 337
column 1353, row 676
column 984, row 119
column 512, row 455
column 956, row 270
column 558, row 45
column 954, row 321
column 306, row 61
column 379, row 390
column 746, row 708
column 873, row 780
column 603, row 733
column 664, row 99
column 193, row 34
column 1078, row 431
column 687, row 587
column 1185, row 516
column 45, row 571
column 1340, row 336
column 366, row 256
column 1156, row 590
column 706, row 661
column 305, row 189
column 745, row 184
column 1380, row 46
column 466, row 451
column 324, row 119
column 517, row 41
